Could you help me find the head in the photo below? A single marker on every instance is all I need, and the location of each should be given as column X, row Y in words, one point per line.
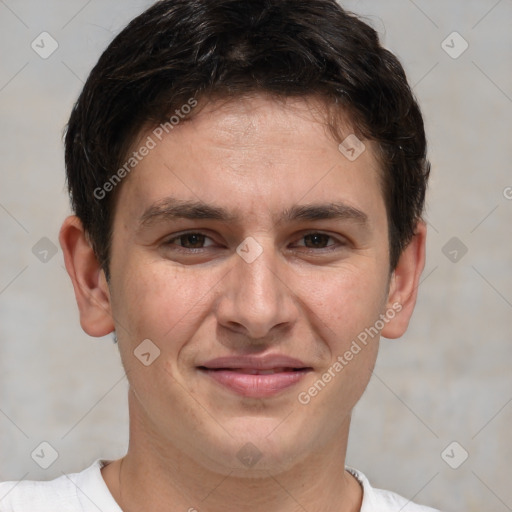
column 228, row 119
column 182, row 51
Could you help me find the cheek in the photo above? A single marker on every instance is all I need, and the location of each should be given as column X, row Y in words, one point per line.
column 359, row 302
column 159, row 302
column 347, row 299
column 344, row 311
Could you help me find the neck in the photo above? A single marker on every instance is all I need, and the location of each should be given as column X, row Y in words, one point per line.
column 166, row 478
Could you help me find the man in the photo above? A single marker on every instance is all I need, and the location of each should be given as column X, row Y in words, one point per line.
column 248, row 180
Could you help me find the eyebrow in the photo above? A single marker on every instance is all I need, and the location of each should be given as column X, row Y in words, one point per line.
column 172, row 208
column 339, row 211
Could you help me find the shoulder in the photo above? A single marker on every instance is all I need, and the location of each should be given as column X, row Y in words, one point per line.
column 74, row 492
column 39, row 496
column 384, row 501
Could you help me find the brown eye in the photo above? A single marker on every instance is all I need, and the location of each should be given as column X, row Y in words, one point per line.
column 188, row 241
column 192, row 240
column 317, row 240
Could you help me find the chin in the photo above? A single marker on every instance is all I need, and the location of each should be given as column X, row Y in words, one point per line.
column 255, row 453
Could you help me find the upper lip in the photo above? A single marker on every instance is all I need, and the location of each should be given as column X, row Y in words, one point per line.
column 267, row 362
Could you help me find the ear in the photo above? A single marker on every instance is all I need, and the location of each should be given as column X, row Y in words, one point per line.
column 91, row 287
column 403, row 287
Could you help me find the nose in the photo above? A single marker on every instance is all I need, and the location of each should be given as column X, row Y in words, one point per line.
column 254, row 298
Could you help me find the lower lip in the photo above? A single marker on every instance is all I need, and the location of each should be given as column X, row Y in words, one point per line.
column 256, row 386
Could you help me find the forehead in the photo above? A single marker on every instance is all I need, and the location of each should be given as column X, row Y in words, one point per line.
column 251, row 155
column 247, row 120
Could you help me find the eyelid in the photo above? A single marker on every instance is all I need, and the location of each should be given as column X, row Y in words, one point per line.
column 340, row 241
column 176, row 236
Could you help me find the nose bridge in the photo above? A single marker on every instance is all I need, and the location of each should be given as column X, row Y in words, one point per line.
column 256, row 298
column 256, row 271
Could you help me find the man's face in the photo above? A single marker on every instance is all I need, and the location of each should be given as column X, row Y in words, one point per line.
column 299, row 286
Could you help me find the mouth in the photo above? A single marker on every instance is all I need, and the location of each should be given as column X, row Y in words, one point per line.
column 255, row 371
column 255, row 377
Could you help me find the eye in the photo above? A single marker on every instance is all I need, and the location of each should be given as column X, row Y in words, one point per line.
column 190, row 240
column 317, row 240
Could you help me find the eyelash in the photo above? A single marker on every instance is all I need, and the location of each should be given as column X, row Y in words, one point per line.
column 178, row 248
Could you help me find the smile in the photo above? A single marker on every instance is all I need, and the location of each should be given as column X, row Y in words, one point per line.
column 257, row 378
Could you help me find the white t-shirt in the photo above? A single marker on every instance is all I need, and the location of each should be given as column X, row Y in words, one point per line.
column 87, row 492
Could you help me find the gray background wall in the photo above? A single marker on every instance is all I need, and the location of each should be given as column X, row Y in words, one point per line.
column 447, row 380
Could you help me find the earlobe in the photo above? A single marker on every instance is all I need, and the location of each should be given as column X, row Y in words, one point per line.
column 403, row 289
column 91, row 288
